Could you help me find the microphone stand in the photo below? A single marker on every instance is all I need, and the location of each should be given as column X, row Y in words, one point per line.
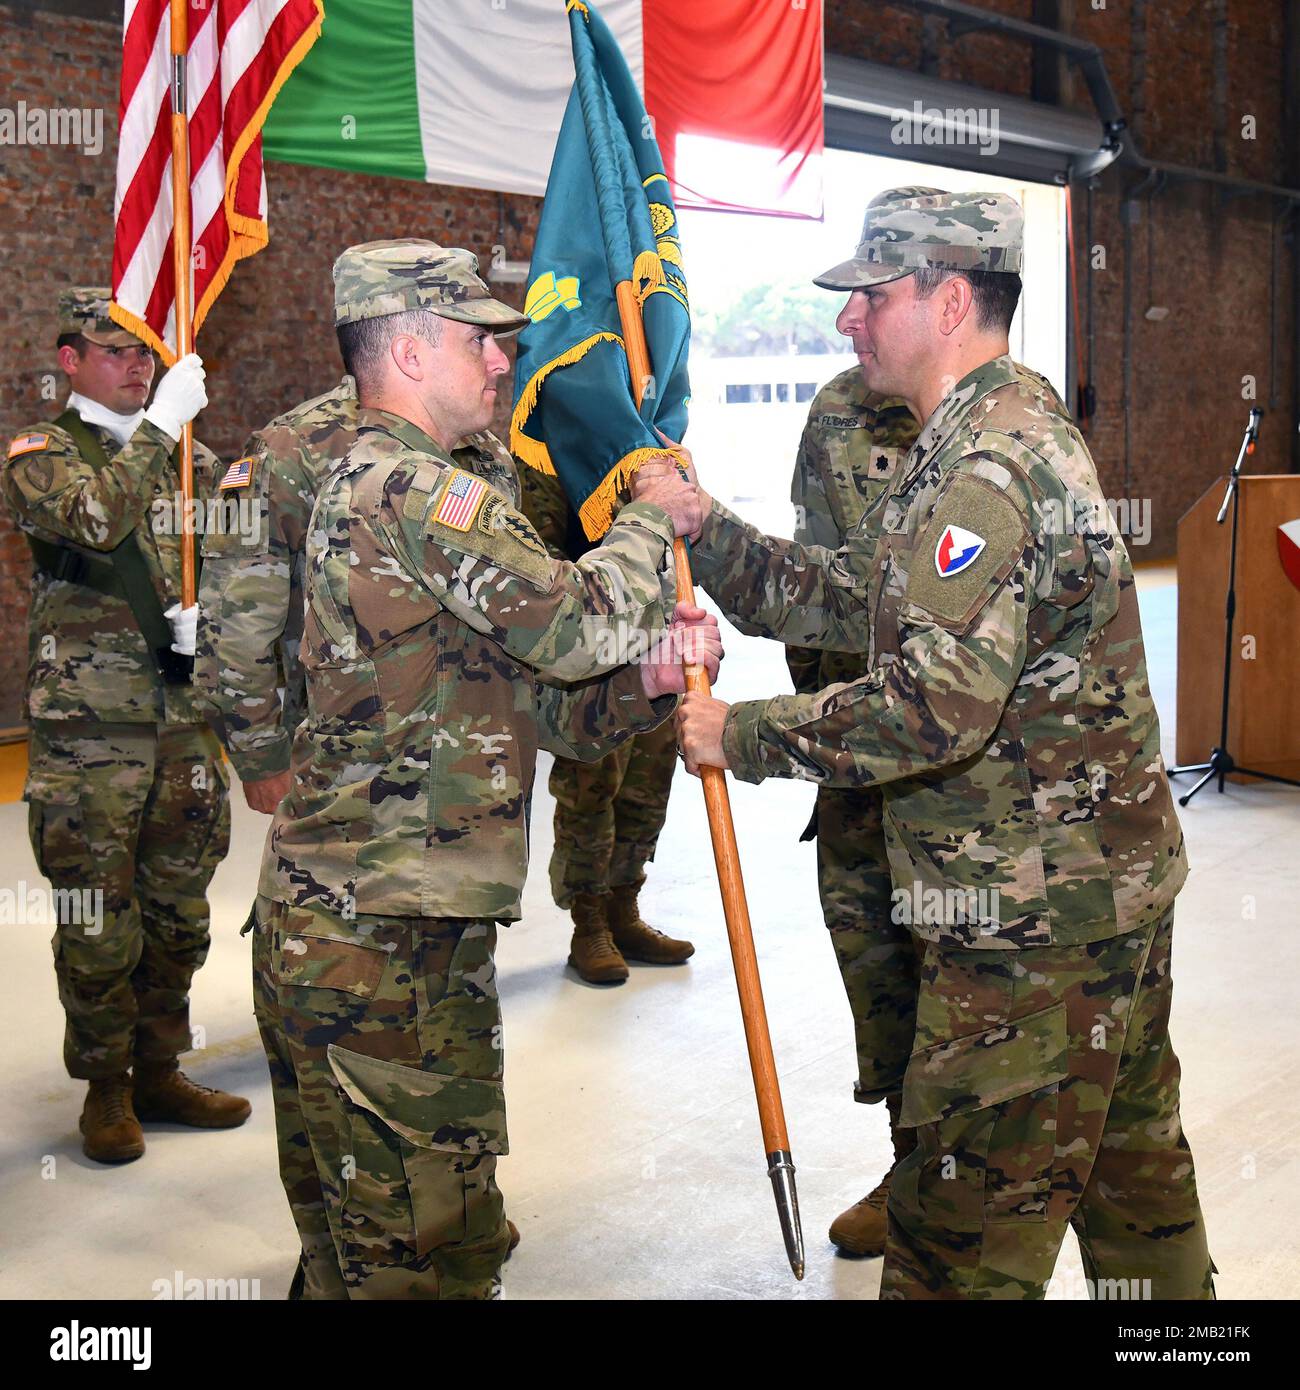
column 1222, row 762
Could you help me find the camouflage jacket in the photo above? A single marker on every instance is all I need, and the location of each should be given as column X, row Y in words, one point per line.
column 851, row 445
column 251, row 596
column 86, row 656
column 1006, row 712
column 543, row 501
column 433, row 612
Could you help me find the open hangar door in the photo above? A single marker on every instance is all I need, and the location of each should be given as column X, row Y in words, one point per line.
column 765, row 337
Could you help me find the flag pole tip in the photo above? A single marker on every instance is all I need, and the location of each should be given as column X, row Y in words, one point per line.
column 780, row 1168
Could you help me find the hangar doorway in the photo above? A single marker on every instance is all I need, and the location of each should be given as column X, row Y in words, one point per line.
column 764, row 336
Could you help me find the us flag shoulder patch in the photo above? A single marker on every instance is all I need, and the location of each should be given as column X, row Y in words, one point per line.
column 239, row 474
column 28, row 444
column 461, row 500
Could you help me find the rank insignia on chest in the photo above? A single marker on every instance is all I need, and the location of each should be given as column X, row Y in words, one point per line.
column 461, row 500
column 239, row 474
column 956, row 550
column 27, row 444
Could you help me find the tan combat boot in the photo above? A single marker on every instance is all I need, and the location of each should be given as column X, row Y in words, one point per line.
column 164, row 1092
column 637, row 939
column 592, row 952
column 108, row 1122
column 863, row 1228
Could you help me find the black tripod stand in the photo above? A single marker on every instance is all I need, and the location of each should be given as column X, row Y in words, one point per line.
column 1221, row 761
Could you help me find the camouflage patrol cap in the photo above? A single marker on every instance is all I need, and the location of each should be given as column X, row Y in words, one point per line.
column 393, row 277
column 84, row 309
column 909, row 229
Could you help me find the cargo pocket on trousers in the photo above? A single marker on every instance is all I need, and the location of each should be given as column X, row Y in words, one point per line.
column 55, row 829
column 419, row 1141
column 984, row 1107
column 325, row 962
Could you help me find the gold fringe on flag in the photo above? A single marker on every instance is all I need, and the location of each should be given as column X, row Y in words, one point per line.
column 532, row 451
column 598, row 511
column 647, row 267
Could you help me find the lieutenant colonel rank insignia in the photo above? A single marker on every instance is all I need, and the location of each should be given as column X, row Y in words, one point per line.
column 239, row 474
column 28, row 443
column 461, row 500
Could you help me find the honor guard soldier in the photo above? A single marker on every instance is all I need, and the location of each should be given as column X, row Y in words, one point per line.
column 435, row 620
column 127, row 794
column 1007, row 718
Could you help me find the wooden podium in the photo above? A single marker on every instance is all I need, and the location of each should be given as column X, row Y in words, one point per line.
column 1264, row 710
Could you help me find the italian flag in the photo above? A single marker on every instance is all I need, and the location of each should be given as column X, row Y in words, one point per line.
column 471, row 93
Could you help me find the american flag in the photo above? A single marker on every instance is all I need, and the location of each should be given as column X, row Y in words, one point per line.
column 237, row 474
column 240, row 53
column 461, row 500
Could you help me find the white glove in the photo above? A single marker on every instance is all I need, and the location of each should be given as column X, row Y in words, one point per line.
column 185, row 627
column 180, row 396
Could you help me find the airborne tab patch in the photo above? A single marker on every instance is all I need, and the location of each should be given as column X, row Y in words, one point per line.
column 461, row 500
column 27, row 444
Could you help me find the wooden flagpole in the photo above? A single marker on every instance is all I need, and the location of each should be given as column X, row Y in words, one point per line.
column 726, row 855
column 182, row 266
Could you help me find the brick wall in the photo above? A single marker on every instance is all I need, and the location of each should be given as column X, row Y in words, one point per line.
column 1186, row 71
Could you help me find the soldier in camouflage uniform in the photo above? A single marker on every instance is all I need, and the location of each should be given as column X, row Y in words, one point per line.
column 127, row 794
column 608, row 814
column 1032, row 837
column 434, row 621
column 251, row 596
column 849, row 452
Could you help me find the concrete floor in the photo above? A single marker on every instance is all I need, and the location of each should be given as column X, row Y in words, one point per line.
column 636, row 1168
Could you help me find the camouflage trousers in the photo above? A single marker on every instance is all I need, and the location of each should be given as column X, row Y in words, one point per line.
column 608, row 814
column 383, row 1040
column 877, row 957
column 130, row 821
column 1044, row 1092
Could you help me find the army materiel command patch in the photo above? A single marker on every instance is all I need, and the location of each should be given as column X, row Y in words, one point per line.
column 956, row 549
column 978, row 555
column 28, row 443
column 461, row 500
column 239, row 474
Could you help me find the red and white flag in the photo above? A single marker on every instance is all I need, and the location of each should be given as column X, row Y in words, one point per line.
column 239, row 54
column 1288, row 549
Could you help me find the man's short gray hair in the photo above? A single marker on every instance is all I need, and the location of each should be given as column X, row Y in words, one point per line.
column 365, row 343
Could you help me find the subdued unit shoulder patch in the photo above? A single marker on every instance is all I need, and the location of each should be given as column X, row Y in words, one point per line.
column 519, row 528
column 27, row 444
column 239, row 474
column 967, row 548
column 460, row 499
